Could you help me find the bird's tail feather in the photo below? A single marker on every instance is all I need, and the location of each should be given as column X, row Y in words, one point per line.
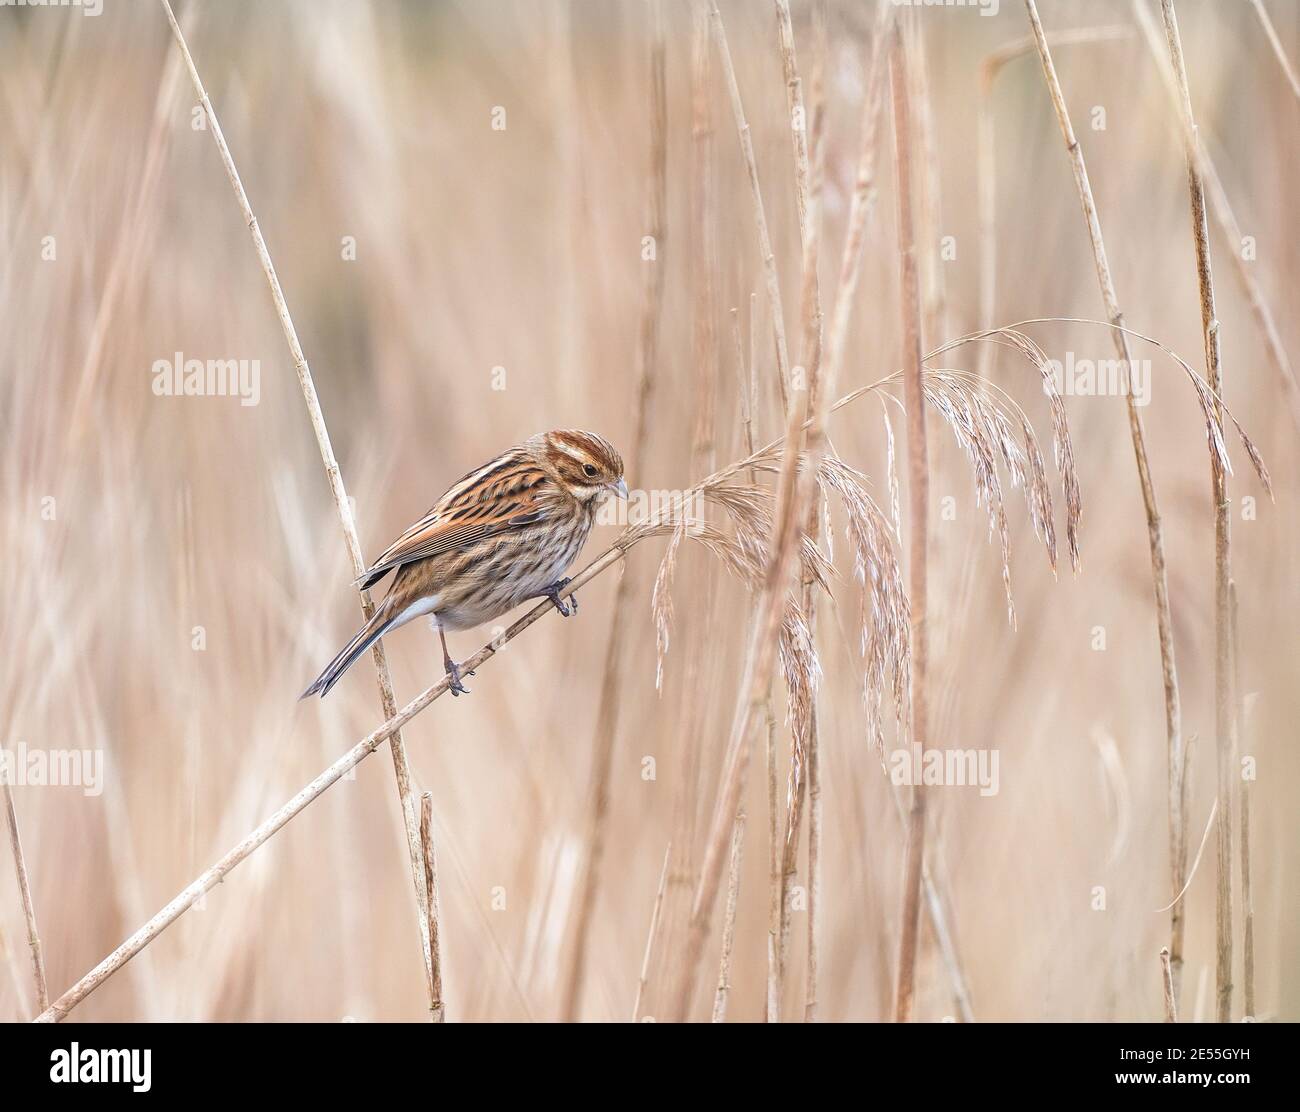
column 366, row 636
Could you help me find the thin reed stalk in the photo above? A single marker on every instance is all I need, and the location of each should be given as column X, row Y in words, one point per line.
column 652, row 935
column 1247, row 902
column 401, row 767
column 25, row 895
column 1155, row 536
column 918, row 490
column 729, row 917
column 805, row 121
column 702, row 661
column 1225, row 741
column 1279, row 51
column 437, row 1009
column 772, row 280
column 607, row 716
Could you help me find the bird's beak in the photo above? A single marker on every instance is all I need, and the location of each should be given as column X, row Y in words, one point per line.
column 619, row 488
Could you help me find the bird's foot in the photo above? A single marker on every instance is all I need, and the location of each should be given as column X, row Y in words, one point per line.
column 554, row 592
column 454, row 674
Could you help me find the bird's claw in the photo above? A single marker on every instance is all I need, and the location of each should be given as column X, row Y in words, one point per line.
column 555, row 593
column 453, row 674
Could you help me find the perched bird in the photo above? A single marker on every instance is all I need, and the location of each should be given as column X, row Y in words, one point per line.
column 503, row 534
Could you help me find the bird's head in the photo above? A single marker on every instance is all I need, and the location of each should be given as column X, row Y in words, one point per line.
column 584, row 464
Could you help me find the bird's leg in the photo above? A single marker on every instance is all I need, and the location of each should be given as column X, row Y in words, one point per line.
column 555, row 590
column 453, row 669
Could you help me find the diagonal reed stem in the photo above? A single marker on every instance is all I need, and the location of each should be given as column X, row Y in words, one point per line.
column 405, row 793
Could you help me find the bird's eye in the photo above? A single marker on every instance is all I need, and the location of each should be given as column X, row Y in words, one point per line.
column 589, row 470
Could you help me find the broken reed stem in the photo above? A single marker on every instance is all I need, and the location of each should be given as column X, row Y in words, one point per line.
column 1247, row 903
column 918, row 490
column 437, row 1009
column 1224, row 216
column 647, row 360
column 401, row 768
column 25, row 894
column 1223, row 715
column 1278, row 51
column 729, row 917
column 1155, row 538
column 771, row 278
column 651, row 935
column 1167, row 980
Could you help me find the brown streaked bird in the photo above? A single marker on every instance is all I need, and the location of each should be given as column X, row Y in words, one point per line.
column 502, row 535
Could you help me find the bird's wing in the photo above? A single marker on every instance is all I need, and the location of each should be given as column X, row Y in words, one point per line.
column 502, row 495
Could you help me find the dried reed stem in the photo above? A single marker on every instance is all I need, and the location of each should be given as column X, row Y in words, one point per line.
column 729, row 917
column 406, row 795
column 437, row 1009
column 25, row 894
column 1223, row 715
column 610, row 701
column 1167, row 980
column 1247, row 903
column 651, row 935
column 770, row 275
column 808, row 192
column 918, row 490
column 702, row 659
column 1278, row 51
column 1155, row 538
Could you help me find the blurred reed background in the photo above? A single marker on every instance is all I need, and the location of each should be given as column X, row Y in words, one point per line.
column 184, row 522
